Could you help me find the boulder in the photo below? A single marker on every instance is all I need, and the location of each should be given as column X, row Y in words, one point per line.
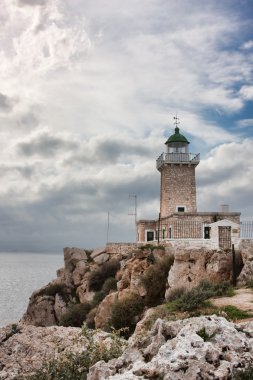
column 207, row 347
column 104, row 309
column 72, row 258
column 193, row 265
column 40, row 311
column 78, row 274
column 97, row 252
column 136, row 269
column 60, row 307
column 102, row 258
column 83, row 292
column 246, row 250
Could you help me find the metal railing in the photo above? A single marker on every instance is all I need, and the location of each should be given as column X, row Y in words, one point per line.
column 189, row 158
column 246, row 229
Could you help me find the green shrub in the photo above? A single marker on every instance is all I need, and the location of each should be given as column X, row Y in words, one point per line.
column 98, row 297
column 196, row 297
column 106, row 270
column 176, row 293
column 53, row 289
column 61, row 289
column 155, row 279
column 124, row 313
column 246, row 374
column 75, row 315
column 233, row 313
column 109, row 284
column 75, row 366
column 90, row 318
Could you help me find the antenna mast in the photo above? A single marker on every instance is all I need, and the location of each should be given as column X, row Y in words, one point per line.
column 135, row 211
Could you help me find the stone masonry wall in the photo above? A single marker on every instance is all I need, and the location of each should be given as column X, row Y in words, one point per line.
column 178, row 188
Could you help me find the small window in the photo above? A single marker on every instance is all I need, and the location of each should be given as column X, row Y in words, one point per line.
column 180, row 209
column 170, row 232
column 163, row 233
column 150, row 235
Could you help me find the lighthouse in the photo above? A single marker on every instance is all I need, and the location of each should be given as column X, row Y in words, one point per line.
column 177, row 167
column 179, row 218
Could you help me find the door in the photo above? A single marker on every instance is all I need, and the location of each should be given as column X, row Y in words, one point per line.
column 225, row 237
column 206, row 232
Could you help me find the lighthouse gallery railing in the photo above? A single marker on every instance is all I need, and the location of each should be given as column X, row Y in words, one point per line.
column 190, row 158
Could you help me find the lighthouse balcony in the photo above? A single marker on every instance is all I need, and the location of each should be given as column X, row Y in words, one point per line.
column 177, row 158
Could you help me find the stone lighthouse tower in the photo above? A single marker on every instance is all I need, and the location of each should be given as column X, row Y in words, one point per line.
column 177, row 168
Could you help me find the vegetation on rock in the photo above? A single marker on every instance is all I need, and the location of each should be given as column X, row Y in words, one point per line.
column 75, row 315
column 58, row 288
column 196, row 297
column 155, row 279
column 125, row 313
column 99, row 276
column 76, row 365
column 234, row 314
column 246, row 374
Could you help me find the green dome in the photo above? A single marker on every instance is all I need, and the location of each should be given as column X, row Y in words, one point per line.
column 177, row 137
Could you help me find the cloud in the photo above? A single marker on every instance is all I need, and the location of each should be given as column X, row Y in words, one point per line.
column 226, row 177
column 248, row 44
column 45, row 145
column 6, row 104
column 245, row 123
column 247, row 92
column 106, row 78
column 32, row 2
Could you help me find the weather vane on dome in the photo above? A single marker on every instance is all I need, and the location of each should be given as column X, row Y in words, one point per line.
column 176, row 122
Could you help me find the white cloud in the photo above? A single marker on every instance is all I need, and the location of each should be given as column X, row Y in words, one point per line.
column 246, row 92
column 245, row 123
column 248, row 44
column 226, row 177
column 89, row 94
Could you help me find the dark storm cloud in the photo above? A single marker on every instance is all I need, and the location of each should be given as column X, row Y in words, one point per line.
column 45, row 145
column 26, row 171
column 74, row 214
column 109, row 151
column 32, row 2
column 6, row 104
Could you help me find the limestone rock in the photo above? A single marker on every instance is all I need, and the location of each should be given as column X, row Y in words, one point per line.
column 207, row 348
column 73, row 256
column 246, row 250
column 104, row 310
column 60, row 307
column 97, row 252
column 79, row 271
column 100, row 259
column 40, row 311
column 136, row 269
column 23, row 349
column 83, row 292
column 193, row 265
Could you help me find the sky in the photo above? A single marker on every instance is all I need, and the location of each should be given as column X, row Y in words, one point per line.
column 88, row 92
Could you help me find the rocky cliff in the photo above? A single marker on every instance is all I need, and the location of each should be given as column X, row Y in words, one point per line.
column 196, row 348
column 84, row 279
column 204, row 348
column 191, row 349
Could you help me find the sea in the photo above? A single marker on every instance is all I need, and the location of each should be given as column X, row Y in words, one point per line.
column 20, row 275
